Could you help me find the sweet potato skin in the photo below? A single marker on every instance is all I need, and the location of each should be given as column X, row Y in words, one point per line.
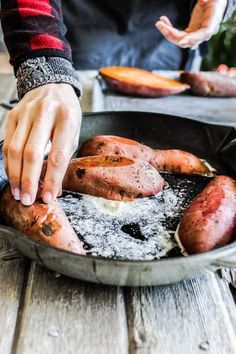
column 134, row 81
column 179, row 161
column 209, row 221
column 46, row 223
column 209, row 83
column 112, row 177
column 115, row 145
column 163, row 160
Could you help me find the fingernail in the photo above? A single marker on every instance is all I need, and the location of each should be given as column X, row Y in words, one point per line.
column 47, row 198
column 26, row 199
column 16, row 193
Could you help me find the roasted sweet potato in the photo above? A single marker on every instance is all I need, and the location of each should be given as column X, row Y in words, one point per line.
column 140, row 82
column 179, row 161
column 163, row 160
column 113, row 177
column 41, row 222
column 210, row 220
column 209, row 83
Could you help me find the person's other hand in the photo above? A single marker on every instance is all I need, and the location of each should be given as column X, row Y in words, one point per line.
column 48, row 112
column 204, row 23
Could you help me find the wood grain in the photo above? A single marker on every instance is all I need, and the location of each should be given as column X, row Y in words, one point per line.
column 12, row 274
column 62, row 315
column 186, row 318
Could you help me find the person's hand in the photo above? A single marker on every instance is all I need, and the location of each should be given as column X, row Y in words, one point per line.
column 204, row 23
column 48, row 112
column 224, row 69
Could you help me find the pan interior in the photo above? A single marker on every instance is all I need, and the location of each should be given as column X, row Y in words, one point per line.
column 139, row 230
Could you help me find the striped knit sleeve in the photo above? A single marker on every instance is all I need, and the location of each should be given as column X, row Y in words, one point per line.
column 34, row 34
column 33, row 29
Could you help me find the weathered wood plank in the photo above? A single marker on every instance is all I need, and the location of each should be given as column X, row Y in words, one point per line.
column 186, row 318
column 12, row 275
column 229, row 275
column 62, row 315
column 229, row 301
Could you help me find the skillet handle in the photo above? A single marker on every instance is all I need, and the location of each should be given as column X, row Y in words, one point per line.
column 226, row 261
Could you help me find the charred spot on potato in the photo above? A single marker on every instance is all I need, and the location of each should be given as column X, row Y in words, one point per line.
column 122, row 192
column 47, row 229
column 33, row 222
column 115, row 159
column 80, row 172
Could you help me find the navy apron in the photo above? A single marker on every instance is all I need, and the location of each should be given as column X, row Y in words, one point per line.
column 123, row 32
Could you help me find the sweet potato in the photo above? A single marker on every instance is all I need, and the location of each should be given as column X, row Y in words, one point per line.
column 209, row 83
column 113, row 177
column 179, row 161
column 210, row 220
column 41, row 222
column 163, row 160
column 140, row 82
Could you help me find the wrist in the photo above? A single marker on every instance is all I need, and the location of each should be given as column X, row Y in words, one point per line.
column 41, row 71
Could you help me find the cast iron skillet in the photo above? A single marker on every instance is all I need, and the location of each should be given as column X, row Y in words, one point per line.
column 213, row 142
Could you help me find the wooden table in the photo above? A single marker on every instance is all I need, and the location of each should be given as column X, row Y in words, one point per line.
column 44, row 312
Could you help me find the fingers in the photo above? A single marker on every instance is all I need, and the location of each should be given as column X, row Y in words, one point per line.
column 204, row 23
column 34, row 155
column 182, row 38
column 10, row 129
column 43, row 113
column 166, row 20
column 64, row 143
column 15, row 154
column 169, row 32
column 28, row 130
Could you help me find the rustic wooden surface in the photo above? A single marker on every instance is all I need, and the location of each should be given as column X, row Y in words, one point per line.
column 43, row 312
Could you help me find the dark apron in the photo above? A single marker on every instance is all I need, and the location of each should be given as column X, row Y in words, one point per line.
column 122, row 32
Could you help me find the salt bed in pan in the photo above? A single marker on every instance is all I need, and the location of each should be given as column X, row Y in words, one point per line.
column 140, row 230
column 137, row 230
